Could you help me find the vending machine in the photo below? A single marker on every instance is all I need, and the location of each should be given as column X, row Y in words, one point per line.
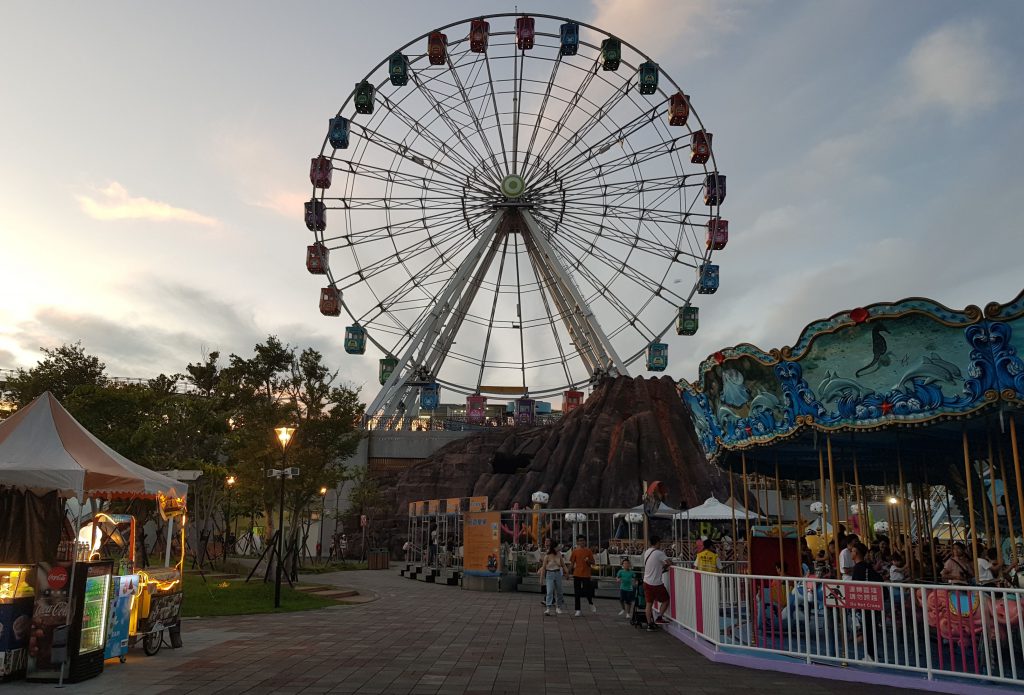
column 69, row 621
column 15, row 620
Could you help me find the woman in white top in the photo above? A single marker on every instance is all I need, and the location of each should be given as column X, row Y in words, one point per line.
column 552, row 569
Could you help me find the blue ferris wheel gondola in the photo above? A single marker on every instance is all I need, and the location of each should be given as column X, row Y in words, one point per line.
column 355, row 339
column 430, row 396
column 569, row 35
column 337, row 133
column 657, row 357
column 648, row 77
column 398, row 69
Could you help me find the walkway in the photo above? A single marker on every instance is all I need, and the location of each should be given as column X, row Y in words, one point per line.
column 424, row 638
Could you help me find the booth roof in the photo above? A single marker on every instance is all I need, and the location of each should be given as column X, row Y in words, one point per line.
column 43, row 448
column 713, row 510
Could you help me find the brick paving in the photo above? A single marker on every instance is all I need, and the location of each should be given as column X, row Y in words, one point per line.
column 425, row 638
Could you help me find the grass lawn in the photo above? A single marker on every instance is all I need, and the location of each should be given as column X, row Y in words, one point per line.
column 238, row 598
column 333, row 567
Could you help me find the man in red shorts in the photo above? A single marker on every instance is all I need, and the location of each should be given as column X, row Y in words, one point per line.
column 655, row 563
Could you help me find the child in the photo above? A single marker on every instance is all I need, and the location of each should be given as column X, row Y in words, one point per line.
column 898, row 568
column 822, row 568
column 626, row 588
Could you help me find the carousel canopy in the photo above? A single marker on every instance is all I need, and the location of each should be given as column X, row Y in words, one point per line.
column 43, row 448
column 713, row 510
column 885, row 385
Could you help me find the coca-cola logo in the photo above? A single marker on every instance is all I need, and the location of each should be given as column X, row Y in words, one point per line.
column 43, row 610
column 57, row 577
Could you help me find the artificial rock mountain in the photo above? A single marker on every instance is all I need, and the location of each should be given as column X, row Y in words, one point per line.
column 628, row 431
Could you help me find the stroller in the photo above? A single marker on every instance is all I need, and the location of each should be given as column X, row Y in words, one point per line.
column 639, row 617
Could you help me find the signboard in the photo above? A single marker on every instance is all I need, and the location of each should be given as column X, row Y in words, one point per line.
column 478, row 504
column 452, row 505
column 433, row 506
column 412, row 509
column 421, row 508
column 482, row 542
column 859, row 596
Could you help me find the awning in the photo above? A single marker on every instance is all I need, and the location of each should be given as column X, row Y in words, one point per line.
column 43, row 448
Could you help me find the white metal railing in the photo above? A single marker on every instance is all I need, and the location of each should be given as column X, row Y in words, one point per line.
column 936, row 630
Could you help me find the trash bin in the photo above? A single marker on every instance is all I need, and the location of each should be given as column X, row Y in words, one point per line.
column 378, row 559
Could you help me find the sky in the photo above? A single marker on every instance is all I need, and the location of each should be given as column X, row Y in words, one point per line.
column 155, row 158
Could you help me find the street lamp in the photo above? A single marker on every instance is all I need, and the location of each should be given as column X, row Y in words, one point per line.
column 228, row 537
column 323, row 511
column 284, row 436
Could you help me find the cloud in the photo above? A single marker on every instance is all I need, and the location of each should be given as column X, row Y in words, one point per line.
column 657, row 25
column 285, row 203
column 955, row 68
column 114, row 203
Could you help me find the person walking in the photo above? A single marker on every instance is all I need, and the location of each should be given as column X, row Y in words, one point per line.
column 552, row 569
column 625, row 579
column 655, row 565
column 582, row 562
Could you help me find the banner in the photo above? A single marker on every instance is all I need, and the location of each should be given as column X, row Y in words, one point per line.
column 421, row 508
column 478, row 504
column 412, row 509
column 482, row 543
column 451, row 505
column 433, row 506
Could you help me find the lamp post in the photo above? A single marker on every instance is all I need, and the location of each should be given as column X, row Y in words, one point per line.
column 228, row 538
column 284, row 436
column 323, row 511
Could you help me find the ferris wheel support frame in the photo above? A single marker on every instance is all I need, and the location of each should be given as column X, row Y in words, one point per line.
column 597, row 340
column 397, row 389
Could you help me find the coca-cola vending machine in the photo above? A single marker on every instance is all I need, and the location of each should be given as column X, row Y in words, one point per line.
column 76, row 646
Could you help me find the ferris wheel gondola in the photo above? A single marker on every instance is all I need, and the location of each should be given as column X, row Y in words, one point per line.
column 509, row 204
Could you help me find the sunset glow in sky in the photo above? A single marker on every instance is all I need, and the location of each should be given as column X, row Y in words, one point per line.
column 155, row 160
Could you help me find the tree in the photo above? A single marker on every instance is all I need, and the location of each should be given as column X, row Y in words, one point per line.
column 61, row 371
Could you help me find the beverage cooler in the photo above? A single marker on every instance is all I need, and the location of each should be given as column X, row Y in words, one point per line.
column 76, row 646
column 16, row 597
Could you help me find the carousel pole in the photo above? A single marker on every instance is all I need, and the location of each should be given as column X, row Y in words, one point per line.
column 846, row 498
column 778, row 516
column 931, row 530
column 732, row 505
column 835, row 502
column 986, row 529
column 1009, row 510
column 907, row 527
column 992, row 490
column 970, row 499
column 1016, row 470
column 799, row 513
column 821, row 480
column 919, row 515
column 863, row 521
column 746, row 520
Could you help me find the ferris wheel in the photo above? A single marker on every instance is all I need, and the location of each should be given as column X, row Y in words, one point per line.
column 513, row 205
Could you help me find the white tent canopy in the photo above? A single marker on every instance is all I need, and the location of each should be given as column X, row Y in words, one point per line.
column 664, row 511
column 43, row 448
column 713, row 510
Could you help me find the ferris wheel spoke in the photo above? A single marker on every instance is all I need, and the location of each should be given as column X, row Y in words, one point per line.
column 494, row 308
column 619, row 135
column 497, row 112
column 475, row 118
column 392, row 229
column 527, row 163
column 613, row 262
column 455, row 128
column 592, row 122
column 570, row 106
column 407, row 153
column 394, row 203
column 659, row 184
column 423, row 131
column 632, row 240
column 405, row 254
column 395, row 177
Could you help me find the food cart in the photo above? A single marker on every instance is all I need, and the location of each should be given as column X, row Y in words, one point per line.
column 80, row 587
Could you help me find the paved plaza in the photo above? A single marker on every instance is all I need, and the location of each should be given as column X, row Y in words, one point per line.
column 426, row 638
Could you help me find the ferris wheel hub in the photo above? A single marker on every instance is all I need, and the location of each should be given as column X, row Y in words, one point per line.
column 513, row 185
